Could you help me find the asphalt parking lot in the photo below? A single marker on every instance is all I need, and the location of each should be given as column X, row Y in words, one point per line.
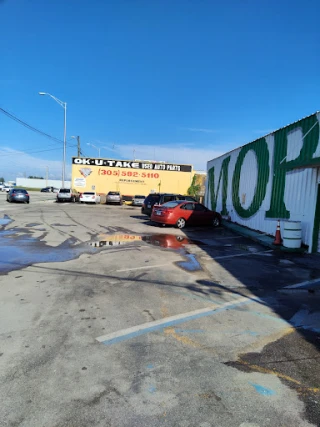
column 107, row 320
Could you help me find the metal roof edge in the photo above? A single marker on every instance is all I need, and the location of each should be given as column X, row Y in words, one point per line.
column 264, row 136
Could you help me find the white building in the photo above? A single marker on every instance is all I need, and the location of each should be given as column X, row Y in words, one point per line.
column 41, row 183
column 274, row 177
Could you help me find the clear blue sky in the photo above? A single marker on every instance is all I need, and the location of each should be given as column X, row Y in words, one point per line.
column 175, row 80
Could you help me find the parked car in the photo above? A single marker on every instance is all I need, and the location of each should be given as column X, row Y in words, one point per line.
column 181, row 213
column 160, row 199
column 1, row 186
column 89, row 197
column 67, row 195
column 114, row 197
column 18, row 195
column 49, row 190
column 127, row 199
column 6, row 188
column 138, row 200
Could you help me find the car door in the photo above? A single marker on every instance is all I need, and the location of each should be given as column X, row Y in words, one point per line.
column 186, row 211
column 202, row 215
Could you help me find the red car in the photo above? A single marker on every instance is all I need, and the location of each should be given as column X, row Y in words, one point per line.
column 181, row 213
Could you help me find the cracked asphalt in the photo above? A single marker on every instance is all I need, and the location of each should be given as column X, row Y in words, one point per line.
column 107, row 320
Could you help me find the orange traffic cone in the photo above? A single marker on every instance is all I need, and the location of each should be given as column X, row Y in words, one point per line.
column 278, row 240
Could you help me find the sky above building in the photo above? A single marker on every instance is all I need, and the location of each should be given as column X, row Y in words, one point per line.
column 179, row 81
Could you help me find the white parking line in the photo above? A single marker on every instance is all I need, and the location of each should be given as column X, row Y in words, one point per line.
column 246, row 254
column 303, row 284
column 157, row 325
column 141, row 268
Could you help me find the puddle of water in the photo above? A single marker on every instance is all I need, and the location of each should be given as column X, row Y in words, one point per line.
column 17, row 252
column 167, row 241
column 192, row 264
column 170, row 241
column 5, row 220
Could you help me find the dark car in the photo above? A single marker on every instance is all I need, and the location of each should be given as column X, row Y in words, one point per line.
column 160, row 199
column 46, row 190
column 18, row 195
column 181, row 213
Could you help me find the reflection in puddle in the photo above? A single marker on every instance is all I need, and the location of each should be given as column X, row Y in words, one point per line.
column 168, row 241
column 21, row 251
column 191, row 264
column 5, row 220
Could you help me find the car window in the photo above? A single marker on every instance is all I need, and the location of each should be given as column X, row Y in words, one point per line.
column 168, row 198
column 114, row 193
column 139, row 197
column 171, row 204
column 200, row 208
column 87, row 193
column 64, row 190
column 152, row 199
column 188, row 206
column 19, row 191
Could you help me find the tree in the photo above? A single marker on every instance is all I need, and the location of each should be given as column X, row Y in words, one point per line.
column 35, row 177
column 2, row 180
column 194, row 188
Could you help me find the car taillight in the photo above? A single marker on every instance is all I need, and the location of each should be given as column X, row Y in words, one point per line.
column 93, row 197
column 167, row 211
column 27, row 194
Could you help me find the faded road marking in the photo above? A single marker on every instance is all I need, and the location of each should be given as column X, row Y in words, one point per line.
column 279, row 375
column 141, row 268
column 262, row 390
column 246, row 254
column 158, row 325
column 304, row 284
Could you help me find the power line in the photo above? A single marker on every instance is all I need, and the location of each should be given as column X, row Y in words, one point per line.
column 18, row 152
column 40, row 132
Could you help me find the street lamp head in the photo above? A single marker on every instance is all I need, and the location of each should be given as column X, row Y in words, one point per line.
column 42, row 93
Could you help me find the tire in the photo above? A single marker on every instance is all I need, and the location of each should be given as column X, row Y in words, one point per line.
column 180, row 238
column 216, row 222
column 181, row 223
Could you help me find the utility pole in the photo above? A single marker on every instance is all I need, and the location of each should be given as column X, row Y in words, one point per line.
column 79, row 148
column 47, row 170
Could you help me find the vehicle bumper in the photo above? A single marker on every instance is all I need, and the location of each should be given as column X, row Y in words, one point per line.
column 20, row 199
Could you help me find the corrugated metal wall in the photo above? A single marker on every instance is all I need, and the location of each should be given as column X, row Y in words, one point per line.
column 254, row 190
column 41, row 183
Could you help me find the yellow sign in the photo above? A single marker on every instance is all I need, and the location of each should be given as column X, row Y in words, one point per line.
column 129, row 177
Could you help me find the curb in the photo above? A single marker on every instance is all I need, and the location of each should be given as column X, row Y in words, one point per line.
column 262, row 239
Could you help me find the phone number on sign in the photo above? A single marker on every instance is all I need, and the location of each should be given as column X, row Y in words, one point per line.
column 128, row 173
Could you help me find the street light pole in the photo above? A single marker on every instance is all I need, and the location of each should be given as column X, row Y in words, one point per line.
column 64, row 106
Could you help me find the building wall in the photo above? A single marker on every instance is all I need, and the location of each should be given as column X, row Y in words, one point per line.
column 41, row 183
column 129, row 177
column 274, row 177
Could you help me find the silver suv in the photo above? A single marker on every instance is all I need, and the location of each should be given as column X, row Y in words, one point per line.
column 67, row 195
column 114, row 197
